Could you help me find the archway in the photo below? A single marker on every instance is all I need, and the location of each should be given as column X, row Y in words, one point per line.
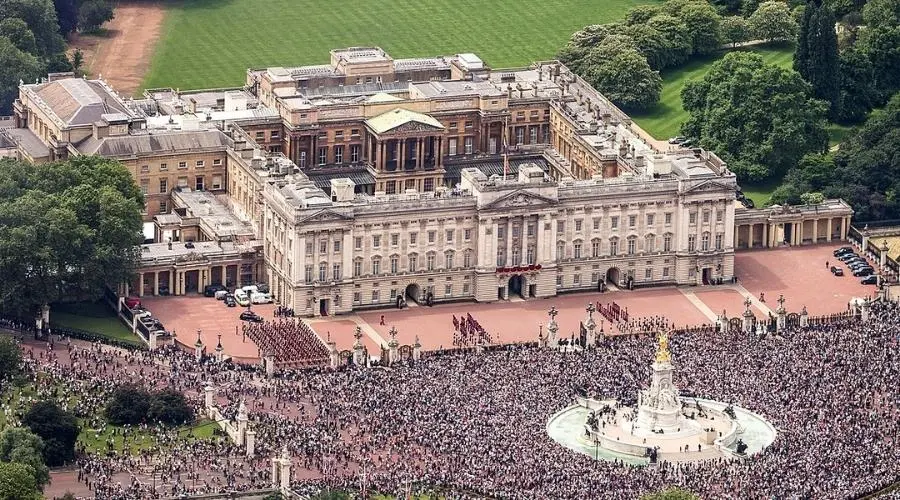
column 515, row 286
column 413, row 292
column 612, row 276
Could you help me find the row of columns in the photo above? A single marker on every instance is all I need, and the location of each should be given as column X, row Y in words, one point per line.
column 401, row 148
column 177, row 280
column 773, row 233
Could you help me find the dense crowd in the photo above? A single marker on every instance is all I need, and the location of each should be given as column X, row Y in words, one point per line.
column 291, row 341
column 473, row 425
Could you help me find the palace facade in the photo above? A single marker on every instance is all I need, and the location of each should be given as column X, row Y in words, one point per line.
column 370, row 179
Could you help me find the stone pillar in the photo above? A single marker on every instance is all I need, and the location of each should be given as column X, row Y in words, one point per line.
column 417, row 349
column 250, row 443
column 844, row 223
column 815, row 236
column 393, row 352
column 275, row 462
column 156, row 283
column 140, row 285
column 334, row 357
column 748, row 316
column 223, row 270
column 722, row 322
column 552, row 328
column 804, row 318
column 737, row 236
column 285, row 476
column 828, row 236
column 358, row 353
column 401, row 156
column 198, row 348
column 765, row 240
column 590, row 325
column 242, row 419
column 782, row 315
column 269, row 364
column 209, row 396
column 152, row 341
column 864, row 311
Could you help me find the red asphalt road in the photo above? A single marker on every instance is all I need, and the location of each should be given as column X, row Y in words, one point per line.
column 799, row 273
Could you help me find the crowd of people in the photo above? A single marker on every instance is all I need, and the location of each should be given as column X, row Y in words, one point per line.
column 468, row 332
column 291, row 341
column 471, row 425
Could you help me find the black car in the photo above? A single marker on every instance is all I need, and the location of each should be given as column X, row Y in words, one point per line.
column 837, row 271
column 848, row 256
column 856, row 264
column 251, row 316
column 842, row 251
column 863, row 271
column 229, row 301
column 210, row 290
column 869, row 280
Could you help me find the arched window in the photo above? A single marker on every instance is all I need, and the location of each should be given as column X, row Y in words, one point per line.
column 357, row 267
column 614, row 246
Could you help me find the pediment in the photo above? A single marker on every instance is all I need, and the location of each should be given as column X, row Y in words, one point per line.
column 412, row 126
column 520, row 199
column 709, row 186
column 324, row 216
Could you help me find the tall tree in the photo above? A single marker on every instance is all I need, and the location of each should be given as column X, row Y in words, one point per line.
column 678, row 38
column 40, row 15
column 858, row 93
column 772, row 21
column 56, row 427
column 702, row 22
column 760, row 118
column 21, row 446
column 735, row 30
column 17, row 482
column 67, row 230
column 10, row 359
column 622, row 74
column 93, row 13
column 816, row 58
column 67, row 15
column 15, row 66
column 880, row 41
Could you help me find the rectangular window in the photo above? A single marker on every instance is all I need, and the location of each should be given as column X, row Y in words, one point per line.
column 145, row 186
column 614, row 221
column 163, row 167
column 182, row 182
column 308, row 275
column 577, row 250
column 632, row 220
column 198, row 183
column 533, row 135
column 576, row 279
column 613, row 247
column 530, row 230
column 336, row 245
column 561, row 227
column 448, row 235
column 413, row 263
column 529, row 255
column 260, row 135
column 375, row 296
column 595, row 248
column 650, row 219
column 357, row 269
column 467, row 234
column 453, row 126
column 666, row 272
column 706, row 216
column 395, row 265
column 336, row 272
column 560, row 250
column 559, row 281
column 451, row 146
column 465, row 288
column 413, row 237
column 631, row 246
column 428, row 185
column 395, row 239
column 469, row 145
column 338, row 135
column 431, row 236
column 390, row 187
column 596, row 224
column 469, row 124
column 720, row 214
column 357, row 297
column 429, row 262
column 354, row 132
column 145, row 169
column 648, row 273
column 217, row 182
column 520, row 135
column 217, row 162
column 692, row 243
column 376, row 241
column 323, row 269
column 323, row 155
column 692, row 218
column 467, row 259
column 357, row 243
column 323, row 246
column 354, row 153
column 376, row 266
column 448, row 260
column 668, row 218
column 448, row 290
column 164, row 207
column 578, row 225
column 339, row 154
column 163, row 185
column 200, row 164
column 309, row 247
column 667, row 243
column 182, row 165
column 704, row 242
column 501, row 232
column 719, row 241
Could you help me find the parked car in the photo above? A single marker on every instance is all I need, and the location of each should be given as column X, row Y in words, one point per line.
column 842, row 251
column 837, row 271
column 163, row 290
column 132, row 302
column 251, row 316
column 220, row 295
column 260, row 298
column 863, row 271
column 847, row 256
column 241, row 298
column 229, row 300
column 210, row 290
column 250, row 289
column 871, row 279
column 856, row 264
column 676, row 140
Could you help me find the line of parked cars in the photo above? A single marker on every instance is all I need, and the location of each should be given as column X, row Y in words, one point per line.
column 244, row 296
column 856, row 264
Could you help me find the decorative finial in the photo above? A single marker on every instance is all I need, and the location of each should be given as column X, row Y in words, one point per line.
column 199, row 341
column 662, row 353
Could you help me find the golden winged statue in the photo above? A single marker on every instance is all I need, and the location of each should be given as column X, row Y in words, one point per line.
column 662, row 352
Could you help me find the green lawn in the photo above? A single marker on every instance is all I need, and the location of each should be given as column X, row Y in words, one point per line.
column 138, row 441
column 761, row 192
column 211, row 43
column 665, row 118
column 92, row 317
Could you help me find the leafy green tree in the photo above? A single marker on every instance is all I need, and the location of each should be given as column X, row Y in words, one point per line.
column 671, row 494
column 77, row 61
column 93, row 13
column 23, row 447
column 760, row 118
column 10, row 358
column 816, row 57
column 573, row 57
column 880, row 41
column 772, row 21
column 735, row 30
column 67, row 230
column 641, row 14
column 702, row 21
column 170, row 407
column 591, row 35
column 812, row 198
column 678, row 48
column 858, row 93
column 649, row 42
column 748, row 7
column 128, row 405
column 40, row 16
column 17, row 482
column 15, row 66
column 67, row 15
column 727, row 6
column 57, row 428
column 18, row 33
column 623, row 75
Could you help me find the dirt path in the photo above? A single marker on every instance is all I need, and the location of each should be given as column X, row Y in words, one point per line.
column 123, row 54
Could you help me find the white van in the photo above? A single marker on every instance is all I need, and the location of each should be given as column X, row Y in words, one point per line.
column 260, row 298
column 241, row 297
column 250, row 289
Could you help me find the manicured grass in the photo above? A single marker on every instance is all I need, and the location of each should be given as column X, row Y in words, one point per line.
column 91, row 317
column 761, row 192
column 211, row 43
column 138, row 441
column 664, row 120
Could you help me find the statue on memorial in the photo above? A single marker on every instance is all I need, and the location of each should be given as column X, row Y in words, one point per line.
column 662, row 353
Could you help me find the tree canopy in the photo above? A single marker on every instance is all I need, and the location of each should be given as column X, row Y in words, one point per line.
column 622, row 74
column 21, row 446
column 67, row 229
column 15, row 65
column 17, row 482
column 10, row 358
column 57, row 428
column 759, row 117
column 130, row 404
column 816, row 57
column 772, row 21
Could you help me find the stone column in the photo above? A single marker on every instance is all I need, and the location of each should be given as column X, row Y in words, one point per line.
column 224, row 274
column 275, row 462
column 209, row 396
column 737, row 236
column 804, row 318
column 140, row 285
column 250, row 442
column 765, row 240
column 523, row 252
column 782, row 315
column 509, row 239
column 552, row 328
column 401, row 145
column 722, row 322
column 844, row 224
column 828, row 236
column 864, row 311
column 748, row 316
column 156, row 283
column 417, row 349
column 269, row 364
column 242, row 419
column 393, row 345
column 198, row 347
column 334, row 357
column 590, row 325
column 439, row 154
column 358, row 353
column 815, row 237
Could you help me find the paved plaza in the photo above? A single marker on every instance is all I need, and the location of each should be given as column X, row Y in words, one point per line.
column 800, row 274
